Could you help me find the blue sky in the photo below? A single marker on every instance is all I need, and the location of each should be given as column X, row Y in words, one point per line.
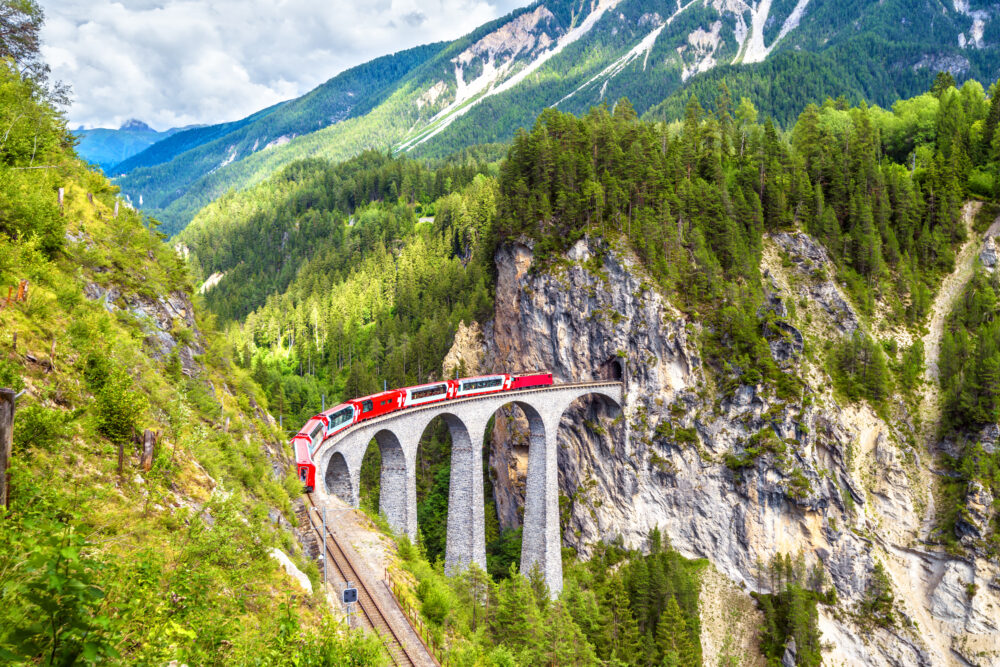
column 178, row 62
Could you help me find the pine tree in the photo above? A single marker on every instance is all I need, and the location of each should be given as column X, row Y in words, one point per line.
column 563, row 643
column 673, row 636
column 516, row 621
column 620, row 628
column 639, row 593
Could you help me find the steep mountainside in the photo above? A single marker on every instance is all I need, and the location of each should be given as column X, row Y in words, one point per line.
column 672, row 462
column 149, row 492
column 573, row 54
column 167, row 169
column 106, row 148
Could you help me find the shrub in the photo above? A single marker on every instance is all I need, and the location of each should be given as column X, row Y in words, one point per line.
column 118, row 407
column 38, row 428
column 10, row 376
column 96, row 369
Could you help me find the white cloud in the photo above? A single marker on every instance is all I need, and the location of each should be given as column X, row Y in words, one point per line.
column 179, row 62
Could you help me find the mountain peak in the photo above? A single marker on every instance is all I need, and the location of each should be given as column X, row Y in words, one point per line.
column 135, row 124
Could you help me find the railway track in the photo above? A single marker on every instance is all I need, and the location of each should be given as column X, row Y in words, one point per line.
column 372, row 615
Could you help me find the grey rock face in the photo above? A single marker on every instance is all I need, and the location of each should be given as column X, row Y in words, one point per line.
column 157, row 317
column 683, row 461
column 988, row 255
column 811, row 257
column 664, row 464
column 790, row 656
column 786, row 343
column 989, row 437
column 974, row 521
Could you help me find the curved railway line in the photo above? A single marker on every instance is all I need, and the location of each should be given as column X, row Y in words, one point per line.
column 373, row 616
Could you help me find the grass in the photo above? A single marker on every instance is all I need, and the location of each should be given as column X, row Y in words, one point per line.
column 176, row 558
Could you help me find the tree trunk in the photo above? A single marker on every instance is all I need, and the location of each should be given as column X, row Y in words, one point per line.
column 7, row 399
column 148, row 446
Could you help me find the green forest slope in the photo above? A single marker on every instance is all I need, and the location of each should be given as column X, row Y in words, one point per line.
column 102, row 560
column 378, row 295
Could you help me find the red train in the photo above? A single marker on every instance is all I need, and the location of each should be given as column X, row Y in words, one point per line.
column 339, row 417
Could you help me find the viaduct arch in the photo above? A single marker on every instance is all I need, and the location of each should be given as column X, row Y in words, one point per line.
column 338, row 470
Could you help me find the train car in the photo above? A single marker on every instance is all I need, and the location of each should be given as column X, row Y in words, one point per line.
column 305, row 442
column 376, row 405
column 477, row 386
column 531, row 380
column 338, row 418
column 425, row 394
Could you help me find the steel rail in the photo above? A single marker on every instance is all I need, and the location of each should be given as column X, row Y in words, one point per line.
column 370, row 607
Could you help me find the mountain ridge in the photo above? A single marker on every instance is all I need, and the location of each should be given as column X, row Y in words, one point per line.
column 572, row 54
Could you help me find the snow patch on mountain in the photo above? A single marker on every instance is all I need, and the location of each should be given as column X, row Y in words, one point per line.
column 498, row 51
column 753, row 49
column 229, row 158
column 704, row 43
column 643, row 48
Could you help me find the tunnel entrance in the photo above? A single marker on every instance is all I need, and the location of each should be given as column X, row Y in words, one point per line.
column 612, row 370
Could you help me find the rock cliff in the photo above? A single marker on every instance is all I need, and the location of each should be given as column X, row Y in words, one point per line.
column 733, row 478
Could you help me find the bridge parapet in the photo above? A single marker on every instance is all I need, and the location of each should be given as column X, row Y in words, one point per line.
column 338, row 472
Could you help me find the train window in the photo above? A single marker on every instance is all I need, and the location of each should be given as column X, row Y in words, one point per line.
column 429, row 391
column 481, row 384
column 340, row 417
column 316, row 431
column 302, row 474
column 367, row 406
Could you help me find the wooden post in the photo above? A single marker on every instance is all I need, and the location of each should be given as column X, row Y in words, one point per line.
column 22, row 291
column 121, row 460
column 7, row 399
column 148, row 445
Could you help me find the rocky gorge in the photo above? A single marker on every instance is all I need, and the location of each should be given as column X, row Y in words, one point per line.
column 737, row 476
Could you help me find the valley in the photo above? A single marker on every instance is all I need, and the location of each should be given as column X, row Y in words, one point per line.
column 751, row 242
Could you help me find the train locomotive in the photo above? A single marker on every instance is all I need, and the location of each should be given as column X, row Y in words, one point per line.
column 336, row 419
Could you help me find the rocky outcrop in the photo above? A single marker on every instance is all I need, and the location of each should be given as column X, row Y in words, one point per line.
column 466, row 353
column 988, row 255
column 736, row 478
column 811, row 259
column 167, row 321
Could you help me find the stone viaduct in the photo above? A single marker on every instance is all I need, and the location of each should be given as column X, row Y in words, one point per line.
column 338, row 470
